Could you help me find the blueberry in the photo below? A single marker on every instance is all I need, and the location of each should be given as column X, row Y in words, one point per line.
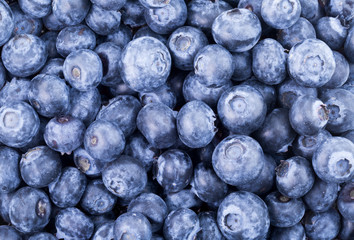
column 147, row 32
column 341, row 73
column 298, row 32
column 73, row 38
column 19, row 124
column 71, row 223
column 133, row 14
column 243, row 215
column 87, row 164
column 242, row 109
column 164, row 94
column 68, row 188
column 182, row 199
column 25, row 23
column 238, row 159
column 121, row 110
column 152, row 207
column 109, row 54
column 333, row 160
column 139, row 148
column 36, row 9
column 42, row 236
column 294, row 177
column 104, row 231
column 341, row 114
column 5, row 199
column 40, row 166
column 238, row 30
column 124, row 177
column 305, row 146
column 280, row 14
column 345, row 201
column 311, row 63
column 32, row 214
column 157, row 123
column 181, row 224
column 49, row 95
column 321, row 196
column 207, row 185
column 168, row 18
column 10, row 177
column 184, row 43
column 264, row 181
column 109, row 4
column 121, row 37
column 104, row 140
column 269, row 62
column 64, row 134
column 296, row 232
column 331, row 31
column 209, row 228
column 201, row 14
column 242, row 66
column 83, row 69
column 211, row 73
column 312, row 10
column 284, row 211
column 193, row 89
column 308, row 115
column 103, row 21
column 7, row 22
column 54, row 66
column 97, row 199
column 195, row 124
column 70, row 12
column 324, row 225
column 290, row 90
column 8, row 232
column 132, row 225
column 24, row 55
column 173, row 170
column 268, row 91
column 84, row 105
column 272, row 138
column 148, row 72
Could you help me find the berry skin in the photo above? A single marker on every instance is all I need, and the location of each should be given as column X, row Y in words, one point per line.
column 333, row 161
column 33, row 214
column 242, row 109
column 147, row 72
column 195, row 124
column 30, row 49
column 243, row 215
column 311, row 63
column 238, row 30
column 64, row 134
column 238, row 159
column 19, row 124
column 124, row 177
column 280, row 14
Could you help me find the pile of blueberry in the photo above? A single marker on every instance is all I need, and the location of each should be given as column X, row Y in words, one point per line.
column 177, row 119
